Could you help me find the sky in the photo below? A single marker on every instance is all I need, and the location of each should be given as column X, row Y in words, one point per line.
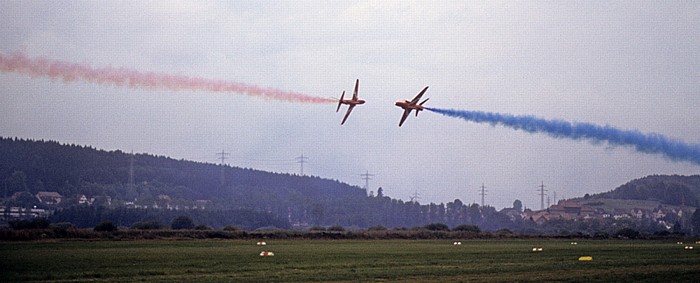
column 633, row 65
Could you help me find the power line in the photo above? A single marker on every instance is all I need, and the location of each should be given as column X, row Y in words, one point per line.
column 131, row 170
column 366, row 176
column 301, row 160
column 223, row 157
column 542, row 194
column 482, row 193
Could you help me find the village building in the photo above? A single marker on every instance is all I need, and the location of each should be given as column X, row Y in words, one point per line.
column 49, row 197
column 166, row 198
column 201, row 204
column 82, row 199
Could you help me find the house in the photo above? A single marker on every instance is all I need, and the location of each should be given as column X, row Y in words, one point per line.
column 201, row 203
column 571, row 207
column 659, row 213
column 587, row 211
column 49, row 197
column 637, row 213
column 82, row 199
column 543, row 216
column 620, row 216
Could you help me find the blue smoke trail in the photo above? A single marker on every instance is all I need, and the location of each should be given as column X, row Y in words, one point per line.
column 647, row 143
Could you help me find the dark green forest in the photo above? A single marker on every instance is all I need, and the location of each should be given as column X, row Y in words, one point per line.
column 217, row 196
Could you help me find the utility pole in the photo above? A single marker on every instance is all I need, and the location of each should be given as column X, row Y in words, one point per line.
column 131, row 171
column 301, row 160
column 366, row 176
column 482, row 193
column 223, row 157
column 554, row 197
column 542, row 190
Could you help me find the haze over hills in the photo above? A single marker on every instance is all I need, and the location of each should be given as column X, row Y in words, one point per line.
column 142, row 187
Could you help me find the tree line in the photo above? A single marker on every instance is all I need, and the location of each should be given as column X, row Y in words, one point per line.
column 248, row 198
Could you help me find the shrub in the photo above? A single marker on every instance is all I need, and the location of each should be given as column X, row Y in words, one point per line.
column 147, row 225
column 504, row 231
column 437, row 227
column 336, row 228
column 231, row 228
column 377, row 228
column 106, row 226
column 202, row 227
column 628, row 233
column 601, row 235
column 318, row 228
column 37, row 223
column 63, row 225
column 182, row 222
column 467, row 228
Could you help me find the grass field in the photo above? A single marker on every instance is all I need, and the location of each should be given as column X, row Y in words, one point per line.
column 347, row 260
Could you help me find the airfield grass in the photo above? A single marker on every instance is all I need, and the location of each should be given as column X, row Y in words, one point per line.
column 347, row 260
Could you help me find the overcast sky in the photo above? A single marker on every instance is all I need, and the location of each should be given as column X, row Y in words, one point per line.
column 634, row 65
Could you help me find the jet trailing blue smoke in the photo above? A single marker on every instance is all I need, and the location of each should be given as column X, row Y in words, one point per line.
column 647, row 143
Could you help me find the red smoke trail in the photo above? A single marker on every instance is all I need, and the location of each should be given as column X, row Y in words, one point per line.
column 38, row 67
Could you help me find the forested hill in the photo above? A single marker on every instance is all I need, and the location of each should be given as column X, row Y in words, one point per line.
column 673, row 190
column 71, row 170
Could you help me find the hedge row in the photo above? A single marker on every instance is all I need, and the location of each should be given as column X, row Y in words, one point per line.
column 137, row 234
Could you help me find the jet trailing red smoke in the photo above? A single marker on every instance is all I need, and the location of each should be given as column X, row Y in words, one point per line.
column 123, row 77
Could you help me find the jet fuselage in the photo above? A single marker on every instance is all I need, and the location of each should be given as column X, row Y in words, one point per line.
column 406, row 104
column 352, row 102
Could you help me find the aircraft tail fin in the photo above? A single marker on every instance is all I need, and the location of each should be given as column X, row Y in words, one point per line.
column 421, row 104
column 354, row 94
column 340, row 102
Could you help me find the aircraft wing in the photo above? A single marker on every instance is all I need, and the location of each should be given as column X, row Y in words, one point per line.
column 347, row 113
column 418, row 96
column 354, row 94
column 406, row 112
column 340, row 101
